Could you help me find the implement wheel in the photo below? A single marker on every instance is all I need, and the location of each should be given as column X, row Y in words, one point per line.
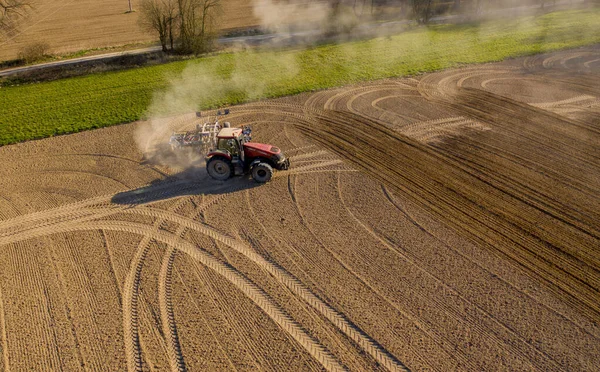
column 262, row 172
column 219, row 168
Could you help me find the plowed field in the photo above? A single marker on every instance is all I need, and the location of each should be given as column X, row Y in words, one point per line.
column 444, row 222
column 73, row 25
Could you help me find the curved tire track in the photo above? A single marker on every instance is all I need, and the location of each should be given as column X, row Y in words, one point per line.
column 257, row 295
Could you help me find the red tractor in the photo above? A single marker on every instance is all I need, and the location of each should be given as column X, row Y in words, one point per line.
column 235, row 155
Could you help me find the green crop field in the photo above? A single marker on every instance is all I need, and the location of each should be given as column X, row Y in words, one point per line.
column 99, row 100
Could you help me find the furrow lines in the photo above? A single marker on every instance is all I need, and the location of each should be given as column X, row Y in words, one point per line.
column 504, row 235
column 258, row 248
column 336, row 318
column 35, row 218
column 312, row 154
column 297, row 287
column 131, row 298
column 589, row 63
column 5, row 358
column 459, row 315
column 209, row 323
column 166, row 314
column 259, row 297
column 341, row 262
column 392, row 200
column 577, row 99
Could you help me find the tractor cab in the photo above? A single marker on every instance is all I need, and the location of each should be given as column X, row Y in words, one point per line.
column 230, row 141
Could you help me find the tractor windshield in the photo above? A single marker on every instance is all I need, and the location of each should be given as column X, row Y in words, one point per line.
column 230, row 145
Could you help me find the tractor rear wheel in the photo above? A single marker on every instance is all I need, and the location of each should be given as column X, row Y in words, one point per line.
column 262, row 172
column 219, row 168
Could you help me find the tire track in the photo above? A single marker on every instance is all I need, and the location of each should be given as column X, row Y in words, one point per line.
column 131, row 299
column 5, row 366
column 68, row 310
column 589, row 63
column 435, row 130
column 504, row 235
column 165, row 294
column 339, row 259
column 258, row 247
column 336, row 318
column 5, row 358
column 168, row 321
column 113, row 273
column 487, row 333
column 574, row 100
column 210, row 323
column 259, row 297
column 299, row 289
column 392, row 200
column 167, row 316
column 37, row 219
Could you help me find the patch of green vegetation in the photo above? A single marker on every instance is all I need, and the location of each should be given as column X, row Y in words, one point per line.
column 99, row 100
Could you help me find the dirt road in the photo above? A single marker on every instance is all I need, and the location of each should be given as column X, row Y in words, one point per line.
column 445, row 222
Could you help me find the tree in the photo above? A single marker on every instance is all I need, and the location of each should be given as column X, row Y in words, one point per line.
column 184, row 26
column 11, row 11
column 423, row 10
column 543, row 3
column 479, row 7
column 197, row 19
column 160, row 16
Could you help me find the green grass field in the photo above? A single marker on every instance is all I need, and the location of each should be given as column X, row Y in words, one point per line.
column 99, row 100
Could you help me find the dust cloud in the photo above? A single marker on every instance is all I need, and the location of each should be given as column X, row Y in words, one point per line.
column 202, row 84
column 221, row 82
column 294, row 15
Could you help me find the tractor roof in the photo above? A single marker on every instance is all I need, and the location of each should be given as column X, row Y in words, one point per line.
column 230, row 132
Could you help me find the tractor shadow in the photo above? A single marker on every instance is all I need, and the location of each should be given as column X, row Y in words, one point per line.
column 194, row 181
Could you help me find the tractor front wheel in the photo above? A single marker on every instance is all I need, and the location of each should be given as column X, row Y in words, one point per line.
column 219, row 168
column 262, row 172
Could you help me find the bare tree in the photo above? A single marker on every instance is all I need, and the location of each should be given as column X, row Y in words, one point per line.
column 423, row 10
column 160, row 16
column 543, row 3
column 185, row 26
column 197, row 20
column 11, row 11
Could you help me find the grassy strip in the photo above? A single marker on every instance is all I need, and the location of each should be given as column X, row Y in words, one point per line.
column 94, row 101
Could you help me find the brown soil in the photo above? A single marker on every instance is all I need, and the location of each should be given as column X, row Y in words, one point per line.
column 443, row 223
column 69, row 26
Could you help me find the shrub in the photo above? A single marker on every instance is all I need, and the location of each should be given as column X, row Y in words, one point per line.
column 34, row 52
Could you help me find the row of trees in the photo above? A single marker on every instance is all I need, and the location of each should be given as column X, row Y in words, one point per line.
column 188, row 26
column 183, row 26
column 424, row 10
